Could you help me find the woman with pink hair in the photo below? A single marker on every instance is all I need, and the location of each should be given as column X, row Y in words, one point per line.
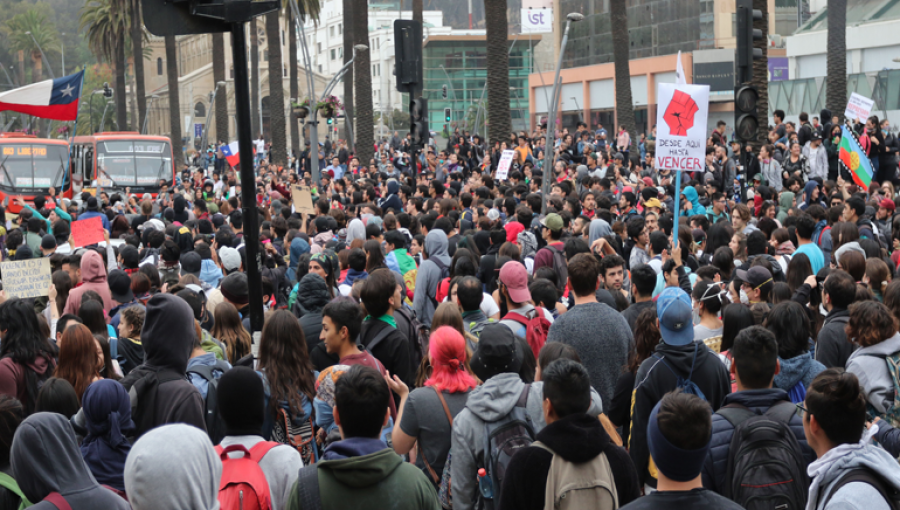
column 426, row 414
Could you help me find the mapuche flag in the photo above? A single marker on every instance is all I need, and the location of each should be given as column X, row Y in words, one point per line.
column 50, row 99
column 854, row 159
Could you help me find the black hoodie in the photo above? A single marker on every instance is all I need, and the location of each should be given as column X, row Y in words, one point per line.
column 576, row 438
column 45, row 458
column 179, row 204
column 168, row 339
column 312, row 296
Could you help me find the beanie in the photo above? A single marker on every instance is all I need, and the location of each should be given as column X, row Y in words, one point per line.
column 241, row 402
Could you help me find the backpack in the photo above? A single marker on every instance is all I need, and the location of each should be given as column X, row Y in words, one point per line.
column 243, row 485
column 892, row 415
column 445, row 273
column 416, row 334
column 308, row 488
column 10, row 484
column 572, row 486
column 865, row 475
column 214, row 426
column 536, row 328
column 502, row 439
column 687, row 385
column 143, row 394
column 301, row 436
column 765, row 467
column 822, row 235
column 560, row 268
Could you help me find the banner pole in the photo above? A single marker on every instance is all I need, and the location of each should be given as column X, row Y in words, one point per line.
column 72, row 138
column 677, row 207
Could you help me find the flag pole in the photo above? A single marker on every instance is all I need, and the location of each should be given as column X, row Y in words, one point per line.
column 74, row 133
column 677, row 207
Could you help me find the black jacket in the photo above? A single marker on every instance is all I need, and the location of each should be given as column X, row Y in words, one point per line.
column 486, row 269
column 392, row 351
column 758, row 401
column 576, row 438
column 654, row 380
column 832, row 346
column 312, row 296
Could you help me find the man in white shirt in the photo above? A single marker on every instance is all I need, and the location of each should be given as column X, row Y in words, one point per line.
column 815, row 154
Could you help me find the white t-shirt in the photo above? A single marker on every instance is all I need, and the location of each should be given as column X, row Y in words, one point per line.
column 260, row 146
column 488, row 306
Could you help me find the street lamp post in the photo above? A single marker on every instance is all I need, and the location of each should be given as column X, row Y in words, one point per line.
column 147, row 117
column 62, row 51
column 107, row 92
column 551, row 114
column 42, row 54
column 8, row 77
column 103, row 119
column 204, row 140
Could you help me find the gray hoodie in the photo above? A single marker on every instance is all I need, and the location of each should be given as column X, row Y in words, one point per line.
column 490, row 402
column 854, row 495
column 870, row 367
column 173, row 467
column 45, row 458
column 429, row 275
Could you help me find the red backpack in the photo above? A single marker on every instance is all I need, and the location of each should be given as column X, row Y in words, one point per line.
column 536, row 328
column 244, row 485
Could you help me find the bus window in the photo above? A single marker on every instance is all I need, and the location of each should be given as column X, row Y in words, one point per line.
column 30, row 166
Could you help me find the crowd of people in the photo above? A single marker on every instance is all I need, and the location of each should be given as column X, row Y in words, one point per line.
column 435, row 337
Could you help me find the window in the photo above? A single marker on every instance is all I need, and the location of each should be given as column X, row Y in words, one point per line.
column 331, row 30
column 231, row 72
column 341, row 52
column 320, row 68
column 282, row 37
column 340, row 28
column 284, row 71
column 159, row 67
column 332, row 54
column 319, row 47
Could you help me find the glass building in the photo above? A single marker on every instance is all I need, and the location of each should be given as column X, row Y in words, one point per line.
column 460, row 64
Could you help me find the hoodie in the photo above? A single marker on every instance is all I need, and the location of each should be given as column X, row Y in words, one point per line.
column 799, row 368
column 93, row 277
column 690, row 194
column 173, row 467
column 490, row 402
column 807, row 195
column 210, row 273
column 107, row 416
column 822, row 238
column 785, row 202
column 320, row 240
column 312, row 296
column 179, row 205
column 429, row 275
column 598, row 228
column 869, row 365
column 45, row 458
column 299, row 247
column 355, row 230
column 828, row 470
column 364, row 474
column 391, row 201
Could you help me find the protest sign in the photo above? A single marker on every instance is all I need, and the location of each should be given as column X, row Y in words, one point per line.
column 504, row 164
column 26, row 278
column 302, row 199
column 681, row 126
column 87, row 232
column 858, row 107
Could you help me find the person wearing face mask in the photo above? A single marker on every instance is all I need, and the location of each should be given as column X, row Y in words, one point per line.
column 707, row 300
column 756, row 285
column 876, row 148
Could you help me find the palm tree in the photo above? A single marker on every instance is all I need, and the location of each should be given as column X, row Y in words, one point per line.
column 362, row 77
column 278, row 152
column 417, row 11
column 348, row 78
column 174, row 101
column 498, row 62
column 618, row 17
column 761, row 73
column 254, row 79
column 836, row 83
column 293, row 72
column 29, row 32
column 218, row 47
column 105, row 23
column 137, row 46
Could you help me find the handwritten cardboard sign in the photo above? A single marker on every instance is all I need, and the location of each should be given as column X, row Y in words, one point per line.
column 858, row 107
column 26, row 278
column 503, row 165
column 302, row 198
column 87, row 232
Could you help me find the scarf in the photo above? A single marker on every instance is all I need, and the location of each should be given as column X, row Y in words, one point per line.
column 107, row 413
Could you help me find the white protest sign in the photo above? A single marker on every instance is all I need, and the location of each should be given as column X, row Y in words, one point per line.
column 504, row 164
column 26, row 278
column 858, row 107
column 681, row 126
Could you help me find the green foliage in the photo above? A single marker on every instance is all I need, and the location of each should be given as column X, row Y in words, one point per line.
column 399, row 120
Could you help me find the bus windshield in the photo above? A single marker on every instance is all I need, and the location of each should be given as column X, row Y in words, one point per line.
column 31, row 165
column 133, row 162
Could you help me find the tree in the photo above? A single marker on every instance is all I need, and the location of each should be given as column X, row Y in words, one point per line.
column 278, row 152
column 293, row 71
column 43, row 35
column 417, row 11
column 348, row 78
column 137, row 46
column 254, row 79
column 105, row 23
column 618, row 17
column 836, row 82
column 362, row 78
column 761, row 74
column 174, row 101
column 218, row 47
column 498, row 62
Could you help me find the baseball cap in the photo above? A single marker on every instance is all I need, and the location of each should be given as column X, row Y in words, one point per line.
column 236, row 289
column 553, row 221
column 815, row 135
column 699, row 235
column 190, row 264
column 493, row 214
column 755, row 277
column 515, row 277
column 619, row 156
column 888, row 204
column 498, row 351
column 653, row 202
column 230, row 258
column 673, row 307
column 120, row 286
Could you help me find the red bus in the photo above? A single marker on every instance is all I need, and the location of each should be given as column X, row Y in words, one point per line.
column 119, row 160
column 30, row 165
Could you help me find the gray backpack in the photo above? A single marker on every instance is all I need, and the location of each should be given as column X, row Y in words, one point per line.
column 502, row 439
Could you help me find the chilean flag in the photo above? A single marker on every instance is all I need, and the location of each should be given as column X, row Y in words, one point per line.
column 231, row 153
column 50, row 99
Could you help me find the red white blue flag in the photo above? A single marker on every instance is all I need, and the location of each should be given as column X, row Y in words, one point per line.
column 50, row 99
column 232, row 153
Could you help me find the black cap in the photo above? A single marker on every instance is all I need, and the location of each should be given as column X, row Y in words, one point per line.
column 48, row 242
column 120, row 286
column 23, row 252
column 498, row 352
column 190, row 264
column 130, row 256
column 235, row 288
column 92, row 203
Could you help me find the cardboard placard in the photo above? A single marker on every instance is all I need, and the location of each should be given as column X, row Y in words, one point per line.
column 503, row 165
column 88, row 232
column 681, row 126
column 302, row 199
column 26, row 278
column 858, row 107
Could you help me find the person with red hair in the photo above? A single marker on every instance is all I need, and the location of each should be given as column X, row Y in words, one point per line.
column 80, row 358
column 425, row 416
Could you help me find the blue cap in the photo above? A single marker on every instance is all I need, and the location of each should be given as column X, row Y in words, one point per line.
column 673, row 307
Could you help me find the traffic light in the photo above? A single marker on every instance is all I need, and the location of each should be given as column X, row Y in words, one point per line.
column 746, row 35
column 444, row 92
column 408, row 55
column 418, row 125
column 330, row 120
column 447, row 115
column 746, row 118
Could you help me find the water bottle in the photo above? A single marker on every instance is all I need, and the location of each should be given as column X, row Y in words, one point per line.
column 485, row 485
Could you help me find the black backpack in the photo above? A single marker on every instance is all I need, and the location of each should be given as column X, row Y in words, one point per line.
column 766, row 467
column 560, row 267
column 144, row 392
column 214, row 426
column 861, row 474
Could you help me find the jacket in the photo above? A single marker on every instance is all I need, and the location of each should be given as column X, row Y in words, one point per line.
column 489, row 402
column 364, row 474
column 758, row 401
column 854, row 495
column 206, row 360
column 653, row 380
column 312, row 296
column 428, row 276
column 800, row 368
column 487, row 272
column 86, row 215
column 576, row 438
column 12, row 376
column 818, row 164
column 690, row 194
column 822, row 239
column 869, row 365
column 785, row 202
column 808, row 189
column 392, row 351
column 832, row 347
column 93, row 277
column 45, row 458
column 771, row 172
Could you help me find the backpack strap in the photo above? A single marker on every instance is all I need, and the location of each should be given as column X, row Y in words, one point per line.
column 444, row 403
column 868, row 476
column 735, row 413
column 782, row 411
column 10, row 484
column 204, row 371
column 523, row 398
column 384, row 333
column 308, row 488
column 260, row 450
column 56, row 499
column 517, row 317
